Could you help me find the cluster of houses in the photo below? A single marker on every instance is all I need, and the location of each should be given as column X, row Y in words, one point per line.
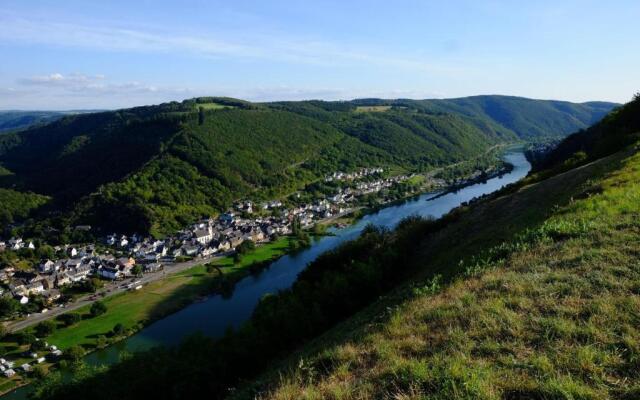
column 16, row 244
column 344, row 176
column 205, row 238
column 50, row 276
column 8, row 369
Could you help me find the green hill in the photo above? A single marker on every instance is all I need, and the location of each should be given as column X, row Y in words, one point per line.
column 532, row 293
column 156, row 168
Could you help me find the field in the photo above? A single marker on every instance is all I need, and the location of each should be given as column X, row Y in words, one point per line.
column 373, row 108
column 213, row 106
column 549, row 311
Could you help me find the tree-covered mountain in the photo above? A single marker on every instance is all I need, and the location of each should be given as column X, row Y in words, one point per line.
column 153, row 169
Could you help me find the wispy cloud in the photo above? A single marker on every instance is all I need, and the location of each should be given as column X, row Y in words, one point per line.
column 273, row 47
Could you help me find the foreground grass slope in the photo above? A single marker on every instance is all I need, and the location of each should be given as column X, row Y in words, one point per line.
column 538, row 299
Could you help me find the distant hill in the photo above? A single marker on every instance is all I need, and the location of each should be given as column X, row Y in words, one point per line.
column 17, row 120
column 156, row 168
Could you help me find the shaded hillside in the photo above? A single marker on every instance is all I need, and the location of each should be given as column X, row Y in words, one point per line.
column 18, row 120
column 154, row 169
column 617, row 130
column 530, row 119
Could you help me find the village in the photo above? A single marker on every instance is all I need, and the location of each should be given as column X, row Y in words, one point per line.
column 118, row 256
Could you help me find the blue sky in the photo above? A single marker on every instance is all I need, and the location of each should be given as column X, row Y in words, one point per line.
column 109, row 54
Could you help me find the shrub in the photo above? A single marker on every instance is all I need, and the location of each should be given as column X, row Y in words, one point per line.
column 98, row 308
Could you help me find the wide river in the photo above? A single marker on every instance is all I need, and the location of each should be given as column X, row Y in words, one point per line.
column 216, row 313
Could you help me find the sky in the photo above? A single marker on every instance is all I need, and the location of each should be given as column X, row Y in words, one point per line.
column 90, row 54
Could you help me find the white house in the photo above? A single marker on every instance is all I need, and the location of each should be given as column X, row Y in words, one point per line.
column 203, row 236
column 112, row 273
column 46, row 267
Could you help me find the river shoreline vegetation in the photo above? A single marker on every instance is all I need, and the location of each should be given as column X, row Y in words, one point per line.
column 494, row 300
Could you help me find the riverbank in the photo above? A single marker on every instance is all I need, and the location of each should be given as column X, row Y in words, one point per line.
column 137, row 309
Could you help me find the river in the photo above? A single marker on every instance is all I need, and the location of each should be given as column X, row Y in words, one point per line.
column 216, row 313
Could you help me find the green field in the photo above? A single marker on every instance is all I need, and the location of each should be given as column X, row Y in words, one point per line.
column 158, row 298
column 213, row 106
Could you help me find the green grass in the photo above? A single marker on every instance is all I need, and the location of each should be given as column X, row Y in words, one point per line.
column 415, row 180
column 540, row 299
column 213, row 106
column 157, row 299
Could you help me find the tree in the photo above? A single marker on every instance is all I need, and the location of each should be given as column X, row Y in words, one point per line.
column 210, row 267
column 45, row 328
column 69, row 319
column 102, row 341
column 200, row 115
column 25, row 338
column 3, row 331
column 74, row 354
column 237, row 258
column 246, row 247
column 118, row 330
column 137, row 270
column 8, row 306
column 98, row 308
column 39, row 371
column 45, row 252
column 319, row 229
column 38, row 345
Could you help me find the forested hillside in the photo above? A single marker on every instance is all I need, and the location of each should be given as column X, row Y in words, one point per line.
column 154, row 169
column 530, row 293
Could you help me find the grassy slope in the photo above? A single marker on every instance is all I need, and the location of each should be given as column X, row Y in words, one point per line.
column 550, row 313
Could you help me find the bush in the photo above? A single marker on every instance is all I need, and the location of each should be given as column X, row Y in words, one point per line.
column 25, row 338
column 8, row 306
column 246, row 247
column 118, row 330
column 38, row 345
column 69, row 319
column 74, row 354
column 98, row 308
column 45, row 328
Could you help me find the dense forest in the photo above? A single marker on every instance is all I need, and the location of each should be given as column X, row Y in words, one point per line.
column 464, row 243
column 153, row 169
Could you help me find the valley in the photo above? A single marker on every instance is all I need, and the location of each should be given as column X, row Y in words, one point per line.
column 208, row 256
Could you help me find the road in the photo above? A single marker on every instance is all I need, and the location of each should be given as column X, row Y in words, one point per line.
column 109, row 289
